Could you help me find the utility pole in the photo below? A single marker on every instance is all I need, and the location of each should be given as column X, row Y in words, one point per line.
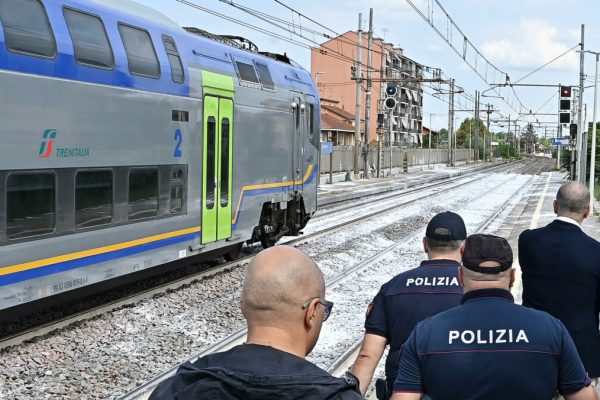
column 358, row 100
column 507, row 134
column 593, row 158
column 450, row 123
column 488, row 129
column 581, row 145
column 429, row 152
column 559, row 148
column 476, row 126
column 368, row 96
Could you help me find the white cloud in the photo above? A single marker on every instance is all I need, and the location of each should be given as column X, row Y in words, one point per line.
column 533, row 44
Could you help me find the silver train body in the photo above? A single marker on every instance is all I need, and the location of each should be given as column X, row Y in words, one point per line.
column 115, row 161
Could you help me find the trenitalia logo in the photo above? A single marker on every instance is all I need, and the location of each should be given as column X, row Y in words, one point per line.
column 46, row 147
column 47, row 142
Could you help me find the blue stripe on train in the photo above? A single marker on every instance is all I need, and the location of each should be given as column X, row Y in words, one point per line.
column 91, row 260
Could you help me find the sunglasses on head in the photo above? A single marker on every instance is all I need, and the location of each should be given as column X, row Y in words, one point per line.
column 327, row 306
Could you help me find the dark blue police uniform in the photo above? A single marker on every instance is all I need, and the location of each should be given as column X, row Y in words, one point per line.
column 490, row 348
column 409, row 298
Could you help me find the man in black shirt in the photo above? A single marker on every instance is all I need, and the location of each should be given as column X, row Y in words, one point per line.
column 283, row 301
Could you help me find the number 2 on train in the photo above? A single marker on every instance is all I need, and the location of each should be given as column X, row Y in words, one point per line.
column 178, row 137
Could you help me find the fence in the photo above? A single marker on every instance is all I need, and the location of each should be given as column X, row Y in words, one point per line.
column 343, row 158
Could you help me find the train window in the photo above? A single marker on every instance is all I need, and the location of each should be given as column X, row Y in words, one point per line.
column 224, row 162
column 265, row 76
column 26, row 28
column 90, row 42
column 176, row 66
column 210, row 163
column 143, row 193
column 180, row 116
column 141, row 55
column 93, row 198
column 246, row 72
column 177, row 191
column 30, row 205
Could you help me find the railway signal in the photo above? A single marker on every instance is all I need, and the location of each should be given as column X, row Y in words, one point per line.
column 565, row 91
column 391, row 91
column 564, row 106
column 573, row 131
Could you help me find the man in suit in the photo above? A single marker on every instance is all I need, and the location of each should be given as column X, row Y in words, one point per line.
column 561, row 272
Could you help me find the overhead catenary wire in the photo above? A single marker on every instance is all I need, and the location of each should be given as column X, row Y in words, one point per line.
column 546, row 64
column 466, row 43
column 285, row 27
column 254, row 27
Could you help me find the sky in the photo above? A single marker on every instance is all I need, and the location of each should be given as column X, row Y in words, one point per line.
column 516, row 36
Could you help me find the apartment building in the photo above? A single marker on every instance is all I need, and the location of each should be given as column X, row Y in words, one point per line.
column 332, row 66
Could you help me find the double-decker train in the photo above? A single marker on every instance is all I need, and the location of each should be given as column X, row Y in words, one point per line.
column 129, row 143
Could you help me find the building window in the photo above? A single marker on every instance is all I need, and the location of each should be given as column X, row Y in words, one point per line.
column 143, row 193
column 141, row 55
column 174, row 59
column 26, row 28
column 93, row 198
column 30, row 205
column 90, row 42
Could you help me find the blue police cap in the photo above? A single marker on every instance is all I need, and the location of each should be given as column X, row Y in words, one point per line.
column 446, row 226
column 481, row 247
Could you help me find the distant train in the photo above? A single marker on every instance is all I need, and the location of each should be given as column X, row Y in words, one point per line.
column 129, row 142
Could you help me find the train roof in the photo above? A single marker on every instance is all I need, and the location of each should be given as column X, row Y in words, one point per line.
column 215, row 53
column 136, row 9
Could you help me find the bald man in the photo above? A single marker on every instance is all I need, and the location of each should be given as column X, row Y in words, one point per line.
column 561, row 272
column 283, row 302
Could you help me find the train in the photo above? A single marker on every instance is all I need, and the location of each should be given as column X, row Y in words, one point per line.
column 129, row 143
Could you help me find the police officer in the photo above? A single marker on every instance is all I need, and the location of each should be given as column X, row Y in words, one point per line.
column 488, row 347
column 283, row 301
column 411, row 297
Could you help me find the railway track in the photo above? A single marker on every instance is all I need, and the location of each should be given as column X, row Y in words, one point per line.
column 345, row 205
column 50, row 326
column 345, row 360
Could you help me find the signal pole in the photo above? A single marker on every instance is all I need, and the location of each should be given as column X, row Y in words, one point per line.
column 593, row 158
column 581, row 145
column 451, row 123
column 476, row 126
column 489, row 111
column 368, row 96
column 358, row 100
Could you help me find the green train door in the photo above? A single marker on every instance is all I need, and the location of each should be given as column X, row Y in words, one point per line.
column 217, row 167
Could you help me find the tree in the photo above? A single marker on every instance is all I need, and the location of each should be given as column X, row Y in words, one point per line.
column 467, row 130
column 442, row 139
column 529, row 139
